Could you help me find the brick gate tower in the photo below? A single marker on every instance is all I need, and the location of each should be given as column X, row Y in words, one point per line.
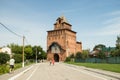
column 61, row 42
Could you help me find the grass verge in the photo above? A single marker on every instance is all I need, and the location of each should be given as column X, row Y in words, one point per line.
column 5, row 67
column 103, row 66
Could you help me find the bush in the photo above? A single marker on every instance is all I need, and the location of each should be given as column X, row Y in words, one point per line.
column 72, row 56
column 67, row 59
column 4, row 69
column 78, row 55
column 4, row 58
column 18, row 65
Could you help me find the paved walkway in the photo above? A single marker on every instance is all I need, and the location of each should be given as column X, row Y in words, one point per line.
column 60, row 71
column 8, row 75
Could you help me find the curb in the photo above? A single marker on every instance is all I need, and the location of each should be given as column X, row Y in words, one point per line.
column 98, row 71
column 19, row 74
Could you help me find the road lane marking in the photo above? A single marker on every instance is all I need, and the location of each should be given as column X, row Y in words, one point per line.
column 14, row 77
column 87, row 73
column 32, row 73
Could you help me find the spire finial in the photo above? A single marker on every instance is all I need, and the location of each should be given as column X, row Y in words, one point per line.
column 63, row 18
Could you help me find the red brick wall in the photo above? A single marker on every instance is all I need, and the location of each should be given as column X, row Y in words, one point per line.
column 66, row 38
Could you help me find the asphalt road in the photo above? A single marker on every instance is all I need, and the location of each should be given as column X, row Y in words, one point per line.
column 60, row 71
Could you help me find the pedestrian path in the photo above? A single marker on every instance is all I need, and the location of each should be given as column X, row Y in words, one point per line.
column 9, row 75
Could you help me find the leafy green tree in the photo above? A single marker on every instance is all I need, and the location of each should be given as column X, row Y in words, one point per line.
column 117, row 52
column 112, row 53
column 99, row 46
column 4, row 57
column 37, row 50
column 85, row 54
column 101, row 54
column 28, row 51
column 67, row 59
column 100, row 51
column 118, row 42
column 15, row 48
column 72, row 55
column 78, row 55
column 18, row 58
column 43, row 55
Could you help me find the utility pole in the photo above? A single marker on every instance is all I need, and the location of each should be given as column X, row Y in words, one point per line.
column 23, row 52
column 18, row 36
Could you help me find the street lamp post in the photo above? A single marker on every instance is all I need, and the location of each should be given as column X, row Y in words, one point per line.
column 37, row 55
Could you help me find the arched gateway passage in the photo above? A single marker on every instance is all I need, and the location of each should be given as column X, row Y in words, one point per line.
column 56, row 57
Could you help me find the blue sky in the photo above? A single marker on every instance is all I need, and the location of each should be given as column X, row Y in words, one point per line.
column 95, row 21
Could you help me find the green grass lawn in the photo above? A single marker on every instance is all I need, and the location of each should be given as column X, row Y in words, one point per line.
column 103, row 66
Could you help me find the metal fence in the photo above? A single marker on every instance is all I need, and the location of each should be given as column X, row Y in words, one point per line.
column 112, row 60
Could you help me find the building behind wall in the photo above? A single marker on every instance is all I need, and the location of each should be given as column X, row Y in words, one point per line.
column 61, row 42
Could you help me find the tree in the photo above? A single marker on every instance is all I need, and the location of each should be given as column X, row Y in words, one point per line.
column 15, row 48
column 85, row 54
column 118, row 46
column 43, row 55
column 37, row 50
column 18, row 58
column 99, row 46
column 72, row 55
column 78, row 55
column 67, row 59
column 118, row 42
column 100, row 51
column 112, row 53
column 117, row 52
column 101, row 54
column 28, row 51
column 4, row 57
